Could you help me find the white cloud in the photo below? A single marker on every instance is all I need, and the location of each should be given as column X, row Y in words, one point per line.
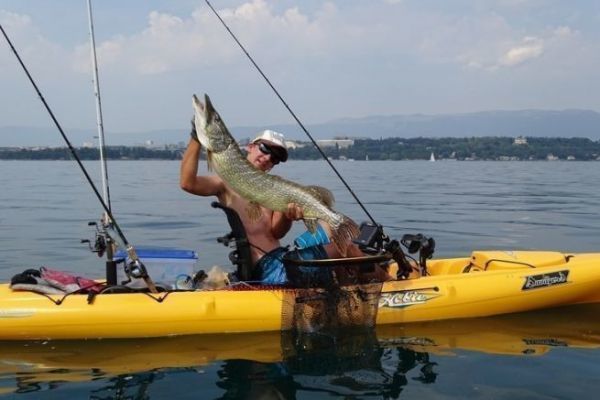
column 530, row 48
column 502, row 51
column 171, row 43
column 393, row 56
column 563, row 31
column 290, row 36
column 32, row 46
column 14, row 21
column 164, row 45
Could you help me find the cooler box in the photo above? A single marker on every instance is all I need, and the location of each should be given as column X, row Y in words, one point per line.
column 163, row 265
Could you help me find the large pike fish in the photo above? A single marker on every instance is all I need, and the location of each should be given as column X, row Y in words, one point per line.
column 260, row 188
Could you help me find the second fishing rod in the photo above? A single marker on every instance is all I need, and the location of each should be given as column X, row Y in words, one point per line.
column 137, row 268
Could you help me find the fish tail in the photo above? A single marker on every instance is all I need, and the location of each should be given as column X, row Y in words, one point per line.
column 343, row 233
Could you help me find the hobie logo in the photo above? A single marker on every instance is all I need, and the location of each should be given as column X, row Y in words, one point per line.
column 403, row 299
column 545, row 342
column 545, row 280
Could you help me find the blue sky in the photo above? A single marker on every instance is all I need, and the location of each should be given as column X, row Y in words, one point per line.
column 328, row 59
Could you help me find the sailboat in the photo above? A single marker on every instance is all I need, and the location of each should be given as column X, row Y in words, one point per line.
column 432, row 157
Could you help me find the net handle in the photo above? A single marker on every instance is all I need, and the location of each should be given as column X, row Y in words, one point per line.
column 332, row 262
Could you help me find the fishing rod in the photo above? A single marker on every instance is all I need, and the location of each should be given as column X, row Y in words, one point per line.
column 99, row 120
column 291, row 112
column 107, row 242
column 138, row 269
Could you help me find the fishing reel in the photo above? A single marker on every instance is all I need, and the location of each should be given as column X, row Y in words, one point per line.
column 99, row 247
column 372, row 240
column 422, row 244
column 135, row 269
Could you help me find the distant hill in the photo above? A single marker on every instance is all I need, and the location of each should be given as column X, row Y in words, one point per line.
column 533, row 123
column 567, row 123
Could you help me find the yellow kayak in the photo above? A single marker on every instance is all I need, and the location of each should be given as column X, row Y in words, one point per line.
column 517, row 334
column 487, row 283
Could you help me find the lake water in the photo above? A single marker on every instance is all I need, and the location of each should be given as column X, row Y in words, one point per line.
column 554, row 354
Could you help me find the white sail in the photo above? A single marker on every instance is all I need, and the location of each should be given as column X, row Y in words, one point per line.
column 432, row 157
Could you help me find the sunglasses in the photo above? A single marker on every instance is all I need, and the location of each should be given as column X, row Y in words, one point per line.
column 268, row 150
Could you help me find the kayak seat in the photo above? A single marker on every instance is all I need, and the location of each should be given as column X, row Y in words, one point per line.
column 504, row 260
column 301, row 273
column 241, row 256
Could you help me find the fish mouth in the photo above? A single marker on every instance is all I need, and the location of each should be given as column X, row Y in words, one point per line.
column 200, row 112
column 198, row 104
column 209, row 109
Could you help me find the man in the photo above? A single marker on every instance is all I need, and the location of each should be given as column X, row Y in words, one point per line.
column 265, row 151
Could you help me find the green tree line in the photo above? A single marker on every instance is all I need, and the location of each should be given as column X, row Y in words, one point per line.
column 84, row 153
column 474, row 148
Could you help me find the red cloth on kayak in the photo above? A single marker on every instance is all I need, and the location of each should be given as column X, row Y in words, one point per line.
column 69, row 282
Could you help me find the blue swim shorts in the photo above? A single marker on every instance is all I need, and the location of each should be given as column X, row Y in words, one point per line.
column 308, row 246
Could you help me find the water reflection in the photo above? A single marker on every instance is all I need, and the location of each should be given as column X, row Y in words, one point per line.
column 348, row 364
column 379, row 363
column 130, row 387
column 356, row 364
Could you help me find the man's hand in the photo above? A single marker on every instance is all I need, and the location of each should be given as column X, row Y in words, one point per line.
column 193, row 132
column 294, row 212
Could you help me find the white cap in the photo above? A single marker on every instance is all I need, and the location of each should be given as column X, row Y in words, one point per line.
column 274, row 139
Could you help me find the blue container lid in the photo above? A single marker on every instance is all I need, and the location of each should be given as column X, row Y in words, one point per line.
column 149, row 252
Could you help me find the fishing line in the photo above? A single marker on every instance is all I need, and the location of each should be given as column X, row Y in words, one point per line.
column 64, row 136
column 291, row 112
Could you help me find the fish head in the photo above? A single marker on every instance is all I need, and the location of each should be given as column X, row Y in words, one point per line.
column 210, row 128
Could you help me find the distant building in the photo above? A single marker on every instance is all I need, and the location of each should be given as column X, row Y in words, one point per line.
column 291, row 144
column 151, row 144
column 520, row 140
column 508, row 158
column 341, row 143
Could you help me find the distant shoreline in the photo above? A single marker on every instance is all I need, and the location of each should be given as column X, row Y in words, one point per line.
column 299, row 160
column 351, row 149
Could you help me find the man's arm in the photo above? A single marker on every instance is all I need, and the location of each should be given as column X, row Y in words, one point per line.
column 188, row 174
column 281, row 223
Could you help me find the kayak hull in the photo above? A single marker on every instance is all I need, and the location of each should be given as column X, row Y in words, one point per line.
column 485, row 284
column 522, row 335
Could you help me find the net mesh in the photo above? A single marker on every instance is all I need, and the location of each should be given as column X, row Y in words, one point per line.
column 312, row 310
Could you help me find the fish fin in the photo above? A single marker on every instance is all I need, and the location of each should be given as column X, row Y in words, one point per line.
column 311, row 224
column 209, row 161
column 324, row 195
column 254, row 211
column 343, row 234
column 200, row 122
